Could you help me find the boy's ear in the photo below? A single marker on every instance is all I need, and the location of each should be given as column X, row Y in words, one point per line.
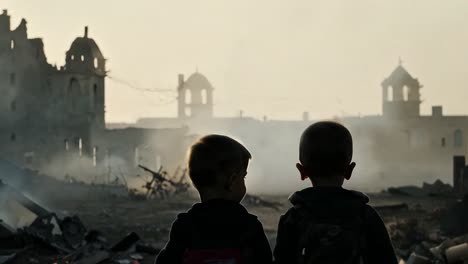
column 349, row 170
column 302, row 171
column 229, row 181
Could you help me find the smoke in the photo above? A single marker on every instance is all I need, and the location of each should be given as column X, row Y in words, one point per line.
column 382, row 152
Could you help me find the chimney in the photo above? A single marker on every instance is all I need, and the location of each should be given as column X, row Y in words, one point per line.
column 86, row 32
column 437, row 111
column 181, row 80
column 4, row 22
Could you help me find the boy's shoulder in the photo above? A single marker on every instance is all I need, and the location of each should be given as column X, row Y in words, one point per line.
column 326, row 201
column 218, row 210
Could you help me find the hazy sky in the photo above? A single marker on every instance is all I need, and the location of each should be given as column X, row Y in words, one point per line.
column 268, row 57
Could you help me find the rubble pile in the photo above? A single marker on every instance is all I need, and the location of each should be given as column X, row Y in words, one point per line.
column 455, row 220
column 438, row 188
column 450, row 251
column 161, row 186
column 444, row 240
column 53, row 239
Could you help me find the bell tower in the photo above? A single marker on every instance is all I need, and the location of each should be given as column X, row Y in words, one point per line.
column 401, row 94
column 195, row 97
column 85, row 68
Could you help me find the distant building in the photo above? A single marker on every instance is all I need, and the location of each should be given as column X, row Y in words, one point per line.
column 53, row 118
column 401, row 146
column 195, row 97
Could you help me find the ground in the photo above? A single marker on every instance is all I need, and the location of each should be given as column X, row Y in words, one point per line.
column 151, row 219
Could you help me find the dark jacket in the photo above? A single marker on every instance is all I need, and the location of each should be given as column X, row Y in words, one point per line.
column 216, row 224
column 334, row 202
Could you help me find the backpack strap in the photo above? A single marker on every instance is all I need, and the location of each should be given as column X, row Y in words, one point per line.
column 363, row 238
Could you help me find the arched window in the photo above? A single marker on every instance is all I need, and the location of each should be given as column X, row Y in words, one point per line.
column 405, row 93
column 204, row 96
column 80, row 146
column 96, row 63
column 74, row 87
column 389, row 93
column 458, row 138
column 82, row 57
column 72, row 57
column 442, row 142
column 71, row 84
column 95, row 156
column 12, row 44
column 95, row 90
column 188, row 96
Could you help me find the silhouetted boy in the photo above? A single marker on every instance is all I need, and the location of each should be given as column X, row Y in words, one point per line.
column 329, row 224
column 219, row 230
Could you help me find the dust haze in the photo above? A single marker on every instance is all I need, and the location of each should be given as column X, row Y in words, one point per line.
column 272, row 68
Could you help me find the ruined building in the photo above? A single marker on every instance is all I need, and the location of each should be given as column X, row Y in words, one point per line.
column 195, row 97
column 53, row 118
column 399, row 147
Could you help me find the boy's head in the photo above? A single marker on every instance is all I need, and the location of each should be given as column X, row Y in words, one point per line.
column 325, row 154
column 217, row 166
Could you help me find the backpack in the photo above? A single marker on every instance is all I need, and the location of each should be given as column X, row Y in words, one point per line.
column 237, row 251
column 330, row 239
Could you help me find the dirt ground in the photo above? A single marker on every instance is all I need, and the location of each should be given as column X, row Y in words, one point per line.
column 151, row 219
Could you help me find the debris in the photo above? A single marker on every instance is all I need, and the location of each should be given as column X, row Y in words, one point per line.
column 126, row 243
column 417, row 259
column 52, row 239
column 148, row 249
column 406, row 235
column 159, row 185
column 97, row 257
column 136, row 256
column 406, row 191
column 438, row 188
column 6, row 258
column 457, row 254
column 5, row 230
column 21, row 199
column 455, row 221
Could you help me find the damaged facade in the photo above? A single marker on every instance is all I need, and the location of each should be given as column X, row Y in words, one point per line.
column 401, row 146
column 53, row 118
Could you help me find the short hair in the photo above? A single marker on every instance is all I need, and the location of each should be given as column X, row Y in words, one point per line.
column 214, row 155
column 326, row 148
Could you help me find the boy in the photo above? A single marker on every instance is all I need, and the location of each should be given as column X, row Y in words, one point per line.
column 329, row 224
column 219, row 230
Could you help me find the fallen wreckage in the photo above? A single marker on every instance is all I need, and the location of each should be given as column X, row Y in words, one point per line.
column 437, row 237
column 161, row 186
column 54, row 239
